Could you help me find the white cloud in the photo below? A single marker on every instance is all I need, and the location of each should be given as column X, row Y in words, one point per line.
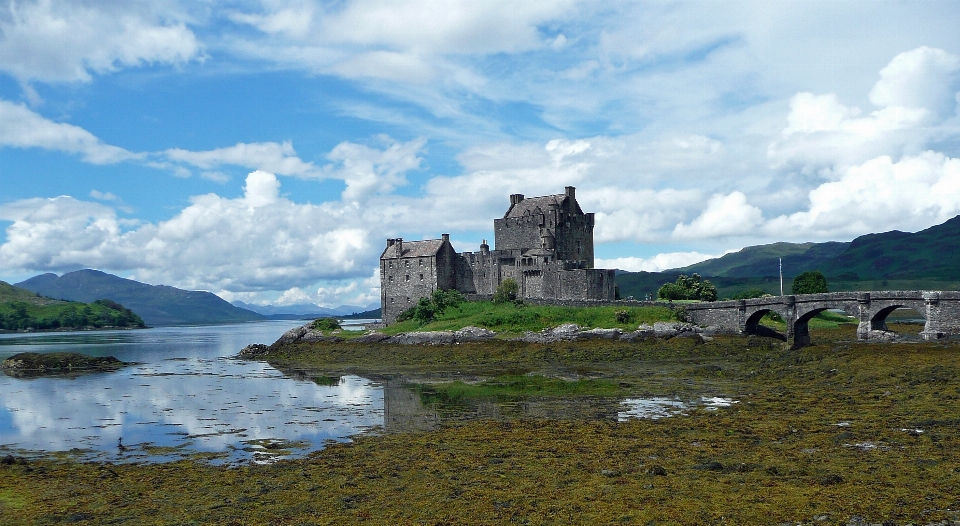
column 916, row 92
column 368, row 171
column 66, row 41
column 278, row 158
column 725, row 215
column 660, row 262
column 878, row 195
column 20, row 127
column 924, row 78
column 259, row 241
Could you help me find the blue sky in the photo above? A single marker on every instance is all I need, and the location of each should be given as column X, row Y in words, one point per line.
column 264, row 150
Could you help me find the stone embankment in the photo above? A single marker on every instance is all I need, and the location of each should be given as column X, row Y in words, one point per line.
column 565, row 332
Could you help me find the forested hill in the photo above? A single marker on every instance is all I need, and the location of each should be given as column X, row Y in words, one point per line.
column 156, row 304
column 21, row 309
column 928, row 259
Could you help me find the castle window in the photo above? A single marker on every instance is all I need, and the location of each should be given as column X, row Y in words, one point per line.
column 408, row 277
column 420, row 261
column 391, row 300
column 421, row 277
column 390, row 278
column 391, row 264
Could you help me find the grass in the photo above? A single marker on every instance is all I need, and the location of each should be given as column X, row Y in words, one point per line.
column 820, row 435
column 510, row 318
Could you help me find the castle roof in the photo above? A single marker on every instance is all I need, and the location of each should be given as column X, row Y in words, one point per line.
column 413, row 249
column 539, row 205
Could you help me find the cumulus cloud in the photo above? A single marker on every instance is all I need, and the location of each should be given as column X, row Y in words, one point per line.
column 67, row 41
column 367, row 170
column 259, row 241
column 880, row 194
column 20, row 127
column 278, row 158
column 916, row 92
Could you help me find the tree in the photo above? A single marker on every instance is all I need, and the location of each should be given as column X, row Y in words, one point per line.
column 688, row 288
column 507, row 291
column 810, row 282
column 750, row 293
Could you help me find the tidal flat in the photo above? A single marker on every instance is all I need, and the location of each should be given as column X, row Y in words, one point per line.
column 841, row 431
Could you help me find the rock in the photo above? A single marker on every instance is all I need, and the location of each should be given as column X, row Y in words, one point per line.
column 254, row 350
column 692, row 335
column 305, row 333
column 609, row 473
column 423, row 338
column 883, row 336
column 604, row 334
column 31, row 365
column 567, row 331
column 373, row 337
column 669, row 329
column 472, row 334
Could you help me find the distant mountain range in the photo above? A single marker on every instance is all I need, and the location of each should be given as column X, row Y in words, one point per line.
column 304, row 309
column 156, row 304
column 929, row 259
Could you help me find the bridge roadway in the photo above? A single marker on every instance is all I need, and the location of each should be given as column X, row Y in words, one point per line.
column 941, row 309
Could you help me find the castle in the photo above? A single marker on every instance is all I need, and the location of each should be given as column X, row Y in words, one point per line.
column 543, row 243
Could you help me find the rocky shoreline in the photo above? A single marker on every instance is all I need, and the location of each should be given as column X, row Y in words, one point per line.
column 566, row 332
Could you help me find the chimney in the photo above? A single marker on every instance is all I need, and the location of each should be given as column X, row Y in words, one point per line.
column 515, row 198
column 390, row 242
column 571, row 192
column 484, row 247
column 399, row 243
column 445, row 237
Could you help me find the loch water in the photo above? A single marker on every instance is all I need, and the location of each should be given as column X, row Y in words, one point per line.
column 188, row 396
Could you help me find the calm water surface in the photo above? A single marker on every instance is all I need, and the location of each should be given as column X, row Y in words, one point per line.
column 187, row 397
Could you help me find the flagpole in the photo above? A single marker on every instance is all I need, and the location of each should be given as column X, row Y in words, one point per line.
column 781, row 277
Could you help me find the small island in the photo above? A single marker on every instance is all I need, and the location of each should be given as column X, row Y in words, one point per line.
column 33, row 365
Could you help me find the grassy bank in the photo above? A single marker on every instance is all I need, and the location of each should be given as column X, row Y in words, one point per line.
column 819, row 435
column 510, row 318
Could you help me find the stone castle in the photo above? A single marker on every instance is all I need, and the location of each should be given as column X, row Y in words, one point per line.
column 543, row 243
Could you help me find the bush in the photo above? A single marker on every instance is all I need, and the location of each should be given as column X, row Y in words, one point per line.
column 326, row 324
column 427, row 309
column 688, row 288
column 810, row 282
column 623, row 316
column 750, row 293
column 507, row 291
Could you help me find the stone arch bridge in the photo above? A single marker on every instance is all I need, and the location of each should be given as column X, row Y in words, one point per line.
column 940, row 309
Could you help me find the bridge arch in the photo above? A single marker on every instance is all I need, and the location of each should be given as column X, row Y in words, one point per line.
column 752, row 325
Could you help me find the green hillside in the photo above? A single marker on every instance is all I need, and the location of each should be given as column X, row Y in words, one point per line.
column 21, row 309
column 157, row 304
column 925, row 260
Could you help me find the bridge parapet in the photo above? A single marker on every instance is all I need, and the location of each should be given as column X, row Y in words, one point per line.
column 940, row 309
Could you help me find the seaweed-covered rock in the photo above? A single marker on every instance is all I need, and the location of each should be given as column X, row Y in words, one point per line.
column 31, row 365
column 254, row 350
column 305, row 333
column 603, row 334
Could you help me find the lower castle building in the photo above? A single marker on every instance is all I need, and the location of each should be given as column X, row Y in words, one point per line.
column 545, row 244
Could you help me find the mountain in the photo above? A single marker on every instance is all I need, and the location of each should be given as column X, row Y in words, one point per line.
column 928, row 259
column 10, row 293
column 156, row 304
column 763, row 260
column 21, row 309
column 303, row 309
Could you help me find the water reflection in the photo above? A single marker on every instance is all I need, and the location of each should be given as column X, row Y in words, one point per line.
column 185, row 397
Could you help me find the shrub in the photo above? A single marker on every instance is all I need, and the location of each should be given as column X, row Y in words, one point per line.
column 623, row 316
column 507, row 291
column 810, row 282
column 688, row 288
column 326, row 324
column 750, row 293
